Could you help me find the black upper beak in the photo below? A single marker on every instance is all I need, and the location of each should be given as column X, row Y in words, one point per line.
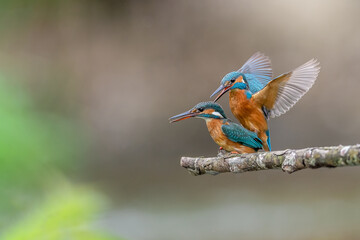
column 182, row 116
column 221, row 90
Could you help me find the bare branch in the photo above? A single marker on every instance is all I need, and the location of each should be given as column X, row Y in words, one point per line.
column 288, row 160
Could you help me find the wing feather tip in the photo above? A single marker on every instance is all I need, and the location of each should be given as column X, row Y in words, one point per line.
column 301, row 80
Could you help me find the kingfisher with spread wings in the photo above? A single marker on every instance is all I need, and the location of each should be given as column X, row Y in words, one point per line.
column 255, row 97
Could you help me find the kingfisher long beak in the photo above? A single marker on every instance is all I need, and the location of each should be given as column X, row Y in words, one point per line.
column 182, row 116
column 221, row 90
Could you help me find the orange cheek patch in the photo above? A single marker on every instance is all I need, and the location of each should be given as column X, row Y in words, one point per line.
column 239, row 79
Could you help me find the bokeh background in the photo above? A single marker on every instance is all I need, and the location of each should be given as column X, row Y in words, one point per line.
column 86, row 88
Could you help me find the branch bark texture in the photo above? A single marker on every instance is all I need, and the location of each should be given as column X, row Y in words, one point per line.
column 288, row 160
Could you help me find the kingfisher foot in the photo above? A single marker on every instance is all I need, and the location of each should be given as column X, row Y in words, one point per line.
column 222, row 152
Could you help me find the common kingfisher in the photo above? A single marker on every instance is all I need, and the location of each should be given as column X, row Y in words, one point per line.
column 254, row 100
column 228, row 135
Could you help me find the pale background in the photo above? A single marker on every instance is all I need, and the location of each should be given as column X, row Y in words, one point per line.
column 120, row 69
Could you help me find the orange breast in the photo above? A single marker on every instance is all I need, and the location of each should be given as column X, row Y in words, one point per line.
column 246, row 111
column 214, row 127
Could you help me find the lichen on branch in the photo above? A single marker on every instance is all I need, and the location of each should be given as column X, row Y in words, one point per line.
column 288, row 160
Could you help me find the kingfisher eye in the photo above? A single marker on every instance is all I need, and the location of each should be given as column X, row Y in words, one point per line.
column 200, row 109
column 232, row 80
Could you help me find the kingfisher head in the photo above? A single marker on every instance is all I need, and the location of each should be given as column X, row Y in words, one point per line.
column 231, row 80
column 204, row 110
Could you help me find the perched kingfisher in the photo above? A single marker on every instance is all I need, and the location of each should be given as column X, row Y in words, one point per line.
column 254, row 97
column 228, row 135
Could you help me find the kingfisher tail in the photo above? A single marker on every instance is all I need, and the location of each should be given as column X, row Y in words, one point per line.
column 268, row 139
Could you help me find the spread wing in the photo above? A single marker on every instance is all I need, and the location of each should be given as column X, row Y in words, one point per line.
column 257, row 70
column 284, row 91
column 237, row 133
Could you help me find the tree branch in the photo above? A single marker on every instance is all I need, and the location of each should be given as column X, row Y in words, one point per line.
column 288, row 160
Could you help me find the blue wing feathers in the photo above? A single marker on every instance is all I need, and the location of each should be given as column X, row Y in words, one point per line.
column 258, row 67
column 258, row 71
column 254, row 84
column 237, row 133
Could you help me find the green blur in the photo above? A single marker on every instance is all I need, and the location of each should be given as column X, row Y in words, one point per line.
column 36, row 150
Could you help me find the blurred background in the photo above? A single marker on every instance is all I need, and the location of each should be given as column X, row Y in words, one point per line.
column 86, row 90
